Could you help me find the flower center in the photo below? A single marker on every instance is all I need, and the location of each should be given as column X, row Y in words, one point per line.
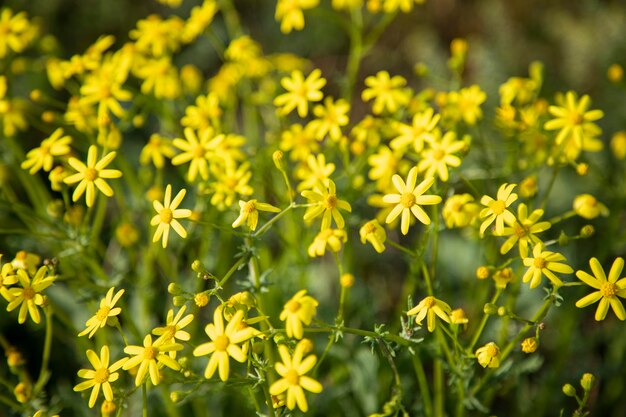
column 29, row 293
column 150, row 352
column 439, row 154
column 91, row 174
column 103, row 313
column 519, row 230
column 492, row 351
column 576, row 118
column 170, row 331
column 101, row 376
column 199, row 152
column 609, row 289
column 330, row 202
column 166, row 215
column 539, row 262
column 369, row 228
column 497, row 207
column 249, row 207
column 292, row 306
column 407, row 200
column 429, row 302
column 221, row 342
column 292, row 377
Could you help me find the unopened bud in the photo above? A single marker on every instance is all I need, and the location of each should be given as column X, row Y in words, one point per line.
column 482, row 272
column 490, row 309
column 347, row 280
column 569, row 390
column 174, row 289
column 563, row 239
column 180, row 300
column 279, row 160
column 587, row 381
column 587, row 231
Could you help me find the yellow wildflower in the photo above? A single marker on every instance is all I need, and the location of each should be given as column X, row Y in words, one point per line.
column 224, row 343
column 166, row 216
column 327, row 237
column 157, row 37
column 544, row 262
column 496, row 210
column 149, row 356
column 104, row 87
column 384, row 165
column 26, row 260
column 608, row 289
column 375, row 234
column 437, row 157
column 530, row 345
column 232, row 182
column 107, row 309
column 316, row 170
column 573, row 119
column 300, row 309
column 249, row 212
column 488, row 355
column 326, row 203
column 331, row 117
column 419, row 131
column 430, row 307
column 460, row 210
column 42, row 156
column 199, row 19
column 156, row 150
column 159, row 77
column 92, row 175
column 523, row 230
column 197, row 149
column 386, row 91
column 588, row 207
column 300, row 92
column 206, row 112
column 29, row 296
column 409, row 199
column 15, row 32
column 618, row 145
column 289, row 13
column 100, row 376
column 299, row 142
column 293, row 370
column 173, row 328
column 465, row 104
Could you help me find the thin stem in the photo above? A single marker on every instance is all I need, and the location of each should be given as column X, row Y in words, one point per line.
column 144, row 400
column 550, row 186
column 273, row 220
column 402, row 248
column 422, row 382
column 43, row 371
column 483, row 322
column 355, row 54
column 232, row 270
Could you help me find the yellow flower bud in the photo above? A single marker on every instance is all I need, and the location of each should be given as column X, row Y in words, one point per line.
column 615, row 73
column 569, row 390
column 587, row 206
column 488, row 355
column 347, row 280
column 529, row 345
column 587, row 381
column 126, row 234
column 528, row 187
column 482, row 272
column 618, row 145
column 201, row 299
column 108, row 408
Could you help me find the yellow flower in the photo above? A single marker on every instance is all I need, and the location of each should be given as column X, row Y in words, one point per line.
column 199, row 152
column 7, row 278
column 573, row 119
column 327, row 237
column 149, row 356
column 159, row 77
column 460, row 210
column 157, row 37
column 293, row 370
column 107, row 309
column 29, row 295
column 316, row 170
column 156, row 150
column 15, row 32
column 300, row 91
column 465, row 104
column 166, row 216
column 497, row 209
column 100, row 376
column 42, row 156
column 430, row 307
column 173, row 328
column 375, row 234
column 300, row 309
column 104, row 86
column 409, row 199
column 224, row 343
column 530, row 345
column 199, row 19
column 523, row 230
column 439, row 155
column 418, row 132
column 608, row 290
column 544, row 262
column 249, row 211
column 618, row 145
column 326, row 203
column 331, row 117
column 384, row 165
column 457, row 316
column 26, row 260
column 299, row 142
column 92, row 175
column 488, row 355
column 392, row 6
column 205, row 113
column 386, row 91
column 289, row 12
column 587, row 206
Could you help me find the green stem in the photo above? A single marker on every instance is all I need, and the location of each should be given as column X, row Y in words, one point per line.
column 439, row 388
column 422, row 382
column 43, row 371
column 355, row 54
column 273, row 220
column 144, row 400
column 402, row 248
column 232, row 270
column 550, row 186
column 10, row 402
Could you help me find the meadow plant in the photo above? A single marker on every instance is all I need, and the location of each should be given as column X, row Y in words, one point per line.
column 271, row 237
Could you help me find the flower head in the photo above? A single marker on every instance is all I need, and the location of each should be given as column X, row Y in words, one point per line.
column 375, row 234
column 573, row 119
column 300, row 92
column 409, row 199
column 327, row 237
column 149, row 356
column 439, row 155
column 225, row 343
column 496, row 210
column 300, row 309
column 460, row 210
column 166, row 216
column 92, row 176
column 293, row 370
column 388, row 92
column 107, row 309
column 325, row 203
column 544, row 263
column 173, row 328
column 100, row 376
column 523, row 230
column 588, row 207
column 197, row 149
column 28, row 296
column 608, row 289
column 488, row 355
column 42, row 157
column 430, row 307
column 249, row 212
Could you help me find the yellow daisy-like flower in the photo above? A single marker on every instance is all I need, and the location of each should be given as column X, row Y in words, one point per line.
column 460, row 210
column 29, row 297
column 384, row 165
column 156, row 150
column 167, row 213
column 249, row 212
column 331, row 117
column 92, row 175
column 375, row 234
column 544, row 262
column 409, row 199
column 326, row 203
column 289, row 13
column 149, row 356
column 293, row 370
column 7, row 278
column 42, row 157
column 573, row 119
column 419, row 131
column 300, row 309
column 523, row 230
column 440, row 155
column 388, row 92
column 315, row 170
column 197, row 150
column 173, row 328
column 101, row 376
column 496, row 210
column 327, row 237
column 300, row 92
column 107, row 309
column 430, row 307
column 609, row 289
column 15, row 32
column 588, row 207
column 225, row 343
column 299, row 142
column 488, row 355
